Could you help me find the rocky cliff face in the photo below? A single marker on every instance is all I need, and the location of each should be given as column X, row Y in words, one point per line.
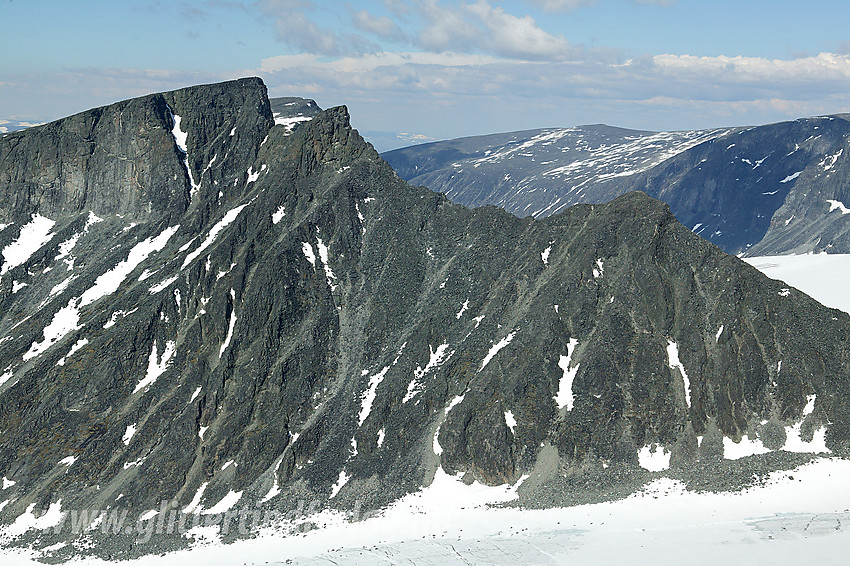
column 204, row 308
column 772, row 189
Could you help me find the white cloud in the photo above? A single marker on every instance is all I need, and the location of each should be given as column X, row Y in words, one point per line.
column 295, row 28
column 822, row 67
column 445, row 29
column 568, row 5
column 381, row 26
column 519, row 37
column 463, row 94
column 374, row 61
column 561, row 5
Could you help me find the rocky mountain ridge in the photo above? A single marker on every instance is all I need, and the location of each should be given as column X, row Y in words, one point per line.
column 203, row 308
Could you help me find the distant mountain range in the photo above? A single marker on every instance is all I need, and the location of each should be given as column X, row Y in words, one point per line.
column 7, row 126
column 779, row 188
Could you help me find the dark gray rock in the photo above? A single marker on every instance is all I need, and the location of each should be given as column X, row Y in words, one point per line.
column 304, row 315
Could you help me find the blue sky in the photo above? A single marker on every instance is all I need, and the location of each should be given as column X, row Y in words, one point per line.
column 440, row 68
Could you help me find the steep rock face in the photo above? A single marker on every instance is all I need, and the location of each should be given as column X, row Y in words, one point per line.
column 771, row 189
column 122, row 159
column 761, row 191
column 301, row 322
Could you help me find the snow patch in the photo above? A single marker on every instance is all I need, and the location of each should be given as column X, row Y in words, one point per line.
column 438, row 450
column 564, row 398
column 674, row 363
column 369, row 395
column 496, row 348
column 510, row 421
column 599, row 270
column 838, row 205
column 793, row 434
column 290, row 122
column 159, row 287
column 65, row 249
column 340, row 483
column 746, row 447
column 544, row 255
column 156, row 368
column 275, row 489
column 227, row 502
column 65, row 320
column 213, row 234
column 196, row 500
column 654, row 458
column 791, row 177
column 829, row 161
column 323, row 255
column 109, row 282
column 116, row 315
column 436, row 358
column 77, row 346
column 252, row 175
column 33, row 236
column 128, row 434
column 308, row 253
column 278, row 215
column 28, row 521
column 231, row 327
column 147, row 516
column 180, row 138
column 462, row 309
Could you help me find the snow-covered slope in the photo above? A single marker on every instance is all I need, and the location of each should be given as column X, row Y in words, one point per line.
column 794, row 517
column 537, row 172
column 824, row 277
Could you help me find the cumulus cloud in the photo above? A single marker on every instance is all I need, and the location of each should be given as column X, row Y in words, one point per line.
column 444, row 29
column 294, row 27
column 381, row 26
column 429, row 25
column 519, row 37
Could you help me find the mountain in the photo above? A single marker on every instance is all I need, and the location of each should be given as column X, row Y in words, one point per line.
column 765, row 190
column 206, row 313
column 290, row 111
column 7, row 126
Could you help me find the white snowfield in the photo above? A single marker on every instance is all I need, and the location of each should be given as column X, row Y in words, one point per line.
column 796, row 517
column 821, row 276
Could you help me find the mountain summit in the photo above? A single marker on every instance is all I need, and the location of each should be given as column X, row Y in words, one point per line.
column 202, row 308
